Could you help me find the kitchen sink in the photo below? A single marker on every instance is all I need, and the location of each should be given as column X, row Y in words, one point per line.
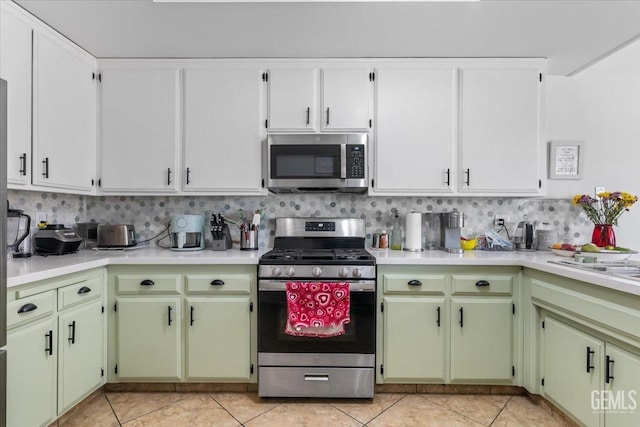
column 624, row 269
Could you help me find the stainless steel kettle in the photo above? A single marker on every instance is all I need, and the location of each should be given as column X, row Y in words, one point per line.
column 526, row 236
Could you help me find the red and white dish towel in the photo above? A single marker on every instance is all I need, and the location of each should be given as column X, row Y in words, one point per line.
column 317, row 309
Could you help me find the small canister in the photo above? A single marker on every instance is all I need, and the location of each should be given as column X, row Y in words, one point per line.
column 384, row 240
column 375, row 241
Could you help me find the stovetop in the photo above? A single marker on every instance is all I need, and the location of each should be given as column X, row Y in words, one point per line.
column 338, row 256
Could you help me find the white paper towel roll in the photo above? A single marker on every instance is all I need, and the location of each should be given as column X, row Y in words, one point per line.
column 413, row 232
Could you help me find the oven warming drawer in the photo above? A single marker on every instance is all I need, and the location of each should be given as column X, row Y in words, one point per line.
column 316, row 382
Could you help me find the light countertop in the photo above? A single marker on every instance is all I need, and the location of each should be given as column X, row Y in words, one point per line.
column 22, row 271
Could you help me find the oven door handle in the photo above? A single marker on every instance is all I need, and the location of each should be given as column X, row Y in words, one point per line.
column 316, row 377
column 281, row 285
column 343, row 161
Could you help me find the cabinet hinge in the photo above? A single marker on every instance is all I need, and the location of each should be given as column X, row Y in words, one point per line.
column 116, row 369
column 513, row 371
column 102, row 372
column 543, row 324
column 251, row 369
column 382, row 307
column 372, row 77
column 115, row 307
column 513, row 309
column 370, row 123
column 540, row 78
column 542, row 382
column 251, row 307
column 381, row 369
column 266, row 123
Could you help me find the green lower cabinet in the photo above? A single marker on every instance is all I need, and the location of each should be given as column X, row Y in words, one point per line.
column 481, row 339
column 621, row 403
column 218, row 338
column 414, row 339
column 31, row 375
column 572, row 369
column 80, row 353
column 149, row 342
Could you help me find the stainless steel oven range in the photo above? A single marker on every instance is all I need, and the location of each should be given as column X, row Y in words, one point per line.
column 317, row 250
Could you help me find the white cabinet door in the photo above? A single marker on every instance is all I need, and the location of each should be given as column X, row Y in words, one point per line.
column 149, row 338
column 222, row 145
column 139, row 129
column 292, row 99
column 15, row 68
column 219, row 339
column 64, row 114
column 346, row 95
column 31, row 375
column 500, row 131
column 79, row 353
column 622, row 377
column 415, row 130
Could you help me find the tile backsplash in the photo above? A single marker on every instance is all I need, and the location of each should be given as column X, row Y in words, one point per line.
column 150, row 214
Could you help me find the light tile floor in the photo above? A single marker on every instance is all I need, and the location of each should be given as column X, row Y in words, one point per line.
column 131, row 409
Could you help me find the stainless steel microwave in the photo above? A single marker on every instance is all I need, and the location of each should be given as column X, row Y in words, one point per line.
column 329, row 163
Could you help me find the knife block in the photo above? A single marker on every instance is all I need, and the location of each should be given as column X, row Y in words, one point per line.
column 224, row 243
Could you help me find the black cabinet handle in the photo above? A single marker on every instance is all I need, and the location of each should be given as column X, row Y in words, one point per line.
column 461, row 317
column 23, row 164
column 48, row 349
column 481, row 283
column 72, row 332
column 308, row 115
column 27, row 308
column 45, row 162
column 414, row 283
column 84, row 290
column 169, row 319
column 589, row 354
column 327, row 116
column 191, row 316
column 608, row 370
column 168, row 176
column 448, row 177
column 438, row 320
column 468, row 180
column 188, row 176
column 217, row 282
column 147, row 282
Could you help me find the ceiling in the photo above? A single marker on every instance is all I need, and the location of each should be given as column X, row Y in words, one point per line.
column 571, row 34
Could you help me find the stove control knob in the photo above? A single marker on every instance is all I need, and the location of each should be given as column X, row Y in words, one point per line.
column 356, row 272
column 317, row 271
column 343, row 272
column 290, row 271
column 276, row 271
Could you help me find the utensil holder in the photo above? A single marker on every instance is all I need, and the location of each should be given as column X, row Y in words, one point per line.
column 249, row 240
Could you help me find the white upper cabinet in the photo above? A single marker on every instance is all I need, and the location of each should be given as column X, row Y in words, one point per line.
column 15, row 68
column 415, row 130
column 501, row 130
column 222, row 130
column 292, row 99
column 64, row 114
column 346, row 98
column 344, row 103
column 140, row 131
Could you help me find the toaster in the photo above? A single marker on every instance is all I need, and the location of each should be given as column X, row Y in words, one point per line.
column 116, row 236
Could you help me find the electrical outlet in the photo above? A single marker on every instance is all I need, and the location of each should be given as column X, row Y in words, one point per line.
column 598, row 190
column 41, row 217
column 500, row 220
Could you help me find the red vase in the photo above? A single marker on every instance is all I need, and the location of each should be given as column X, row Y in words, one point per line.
column 603, row 235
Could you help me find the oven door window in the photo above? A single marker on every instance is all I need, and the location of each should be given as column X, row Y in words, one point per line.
column 305, row 162
column 359, row 336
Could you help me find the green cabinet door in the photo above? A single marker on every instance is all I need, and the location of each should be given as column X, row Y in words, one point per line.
column 149, row 338
column 622, row 400
column 218, row 338
column 80, row 353
column 572, row 369
column 413, row 339
column 481, row 335
column 31, row 375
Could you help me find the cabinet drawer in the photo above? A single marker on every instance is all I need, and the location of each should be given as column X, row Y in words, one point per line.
column 219, row 283
column 27, row 309
column 414, row 283
column 79, row 292
column 478, row 284
column 148, row 283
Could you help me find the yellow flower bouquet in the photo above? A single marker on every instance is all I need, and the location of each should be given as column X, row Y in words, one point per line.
column 604, row 211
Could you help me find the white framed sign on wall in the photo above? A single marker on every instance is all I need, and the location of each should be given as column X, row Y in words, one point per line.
column 566, row 159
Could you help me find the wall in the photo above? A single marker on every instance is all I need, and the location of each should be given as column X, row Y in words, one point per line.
column 150, row 214
column 601, row 106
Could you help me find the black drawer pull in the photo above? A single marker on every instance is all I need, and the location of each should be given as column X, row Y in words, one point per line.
column 27, row 308
column 608, row 370
column 72, row 332
column 169, row 319
column 217, row 282
column 414, row 283
column 482, row 283
column 84, row 290
column 147, row 282
column 461, row 317
column 48, row 349
column 589, row 360
column 191, row 316
column 438, row 321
